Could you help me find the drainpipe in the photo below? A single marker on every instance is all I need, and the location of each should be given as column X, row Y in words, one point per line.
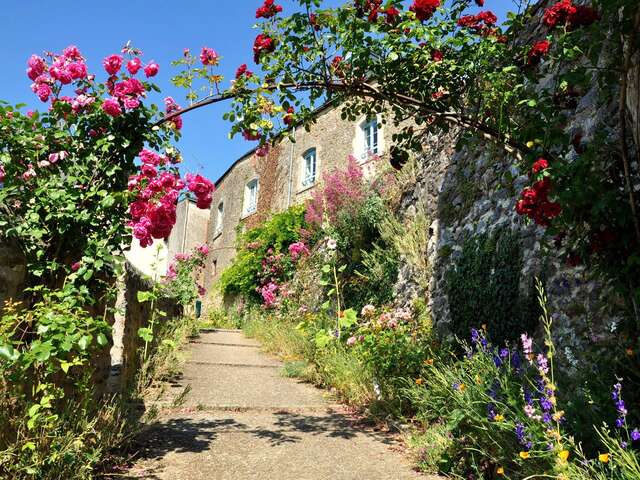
column 291, row 168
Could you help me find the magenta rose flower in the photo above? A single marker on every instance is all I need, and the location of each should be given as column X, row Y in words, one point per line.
column 111, row 107
column 151, row 70
column 112, row 64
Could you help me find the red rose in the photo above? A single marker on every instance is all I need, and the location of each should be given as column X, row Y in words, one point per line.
column 538, row 50
column 424, row 9
column 288, row 118
column 551, row 209
column 436, row 55
column 163, row 218
column 540, row 165
column 542, row 187
column 262, row 44
column 566, row 13
column 137, row 209
column 268, row 9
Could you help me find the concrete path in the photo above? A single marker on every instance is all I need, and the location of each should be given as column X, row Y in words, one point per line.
column 243, row 420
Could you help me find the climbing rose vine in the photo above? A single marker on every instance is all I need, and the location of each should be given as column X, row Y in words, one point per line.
column 78, row 178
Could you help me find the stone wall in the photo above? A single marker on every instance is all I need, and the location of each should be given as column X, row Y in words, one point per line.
column 130, row 316
column 473, row 191
column 12, row 272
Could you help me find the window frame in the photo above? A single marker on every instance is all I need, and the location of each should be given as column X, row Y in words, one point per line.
column 305, row 180
column 219, row 218
column 250, row 208
column 370, row 131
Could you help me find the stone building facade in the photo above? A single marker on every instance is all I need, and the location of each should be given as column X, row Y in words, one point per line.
column 255, row 187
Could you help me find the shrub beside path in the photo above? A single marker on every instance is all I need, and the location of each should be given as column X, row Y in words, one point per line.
column 243, row 420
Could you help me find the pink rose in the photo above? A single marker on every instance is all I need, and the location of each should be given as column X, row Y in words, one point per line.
column 112, row 64
column 151, row 70
column 199, row 185
column 131, row 103
column 137, row 209
column 162, row 218
column 203, row 249
column 208, row 56
column 134, row 65
column 77, row 70
column 148, row 171
column 111, row 107
column 2, row 173
column 75, row 266
column 72, row 53
column 204, row 202
column 201, row 291
column 43, row 91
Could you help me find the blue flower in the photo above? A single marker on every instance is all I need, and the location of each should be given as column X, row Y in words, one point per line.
column 504, row 352
column 635, row 435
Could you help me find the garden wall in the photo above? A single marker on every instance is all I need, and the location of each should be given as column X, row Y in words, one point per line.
column 471, row 194
column 130, row 316
column 12, row 272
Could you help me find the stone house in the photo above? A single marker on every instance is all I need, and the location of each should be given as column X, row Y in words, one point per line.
column 254, row 187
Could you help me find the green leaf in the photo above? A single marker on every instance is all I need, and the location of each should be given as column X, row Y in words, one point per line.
column 8, row 352
column 144, row 296
column 101, row 338
column 84, row 342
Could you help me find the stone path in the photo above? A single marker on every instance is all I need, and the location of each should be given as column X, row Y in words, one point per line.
column 243, row 420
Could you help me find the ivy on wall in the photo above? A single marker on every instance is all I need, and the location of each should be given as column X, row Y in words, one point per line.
column 483, row 288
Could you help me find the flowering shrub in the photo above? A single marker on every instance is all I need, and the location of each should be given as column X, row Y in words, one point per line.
column 181, row 280
column 505, row 407
column 266, row 257
column 68, row 173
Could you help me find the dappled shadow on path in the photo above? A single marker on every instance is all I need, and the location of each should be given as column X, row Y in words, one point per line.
column 194, row 435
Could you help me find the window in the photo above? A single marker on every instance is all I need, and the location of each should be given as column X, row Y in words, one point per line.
column 370, row 131
column 220, row 217
column 251, row 197
column 309, row 166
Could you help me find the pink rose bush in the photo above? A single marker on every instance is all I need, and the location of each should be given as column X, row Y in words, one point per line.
column 158, row 187
column 181, row 279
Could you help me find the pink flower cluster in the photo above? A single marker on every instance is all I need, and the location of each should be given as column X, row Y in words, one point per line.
column 208, row 56
column 269, row 294
column 298, row 249
column 158, row 188
column 196, row 259
column 64, row 68
column 202, row 188
column 343, row 190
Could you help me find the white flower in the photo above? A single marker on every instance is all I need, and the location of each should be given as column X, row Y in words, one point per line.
column 331, row 244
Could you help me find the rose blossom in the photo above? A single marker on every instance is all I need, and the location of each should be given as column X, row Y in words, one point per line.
column 112, row 64
column 424, row 9
column 134, row 65
column 208, row 56
column 111, row 107
column 151, row 70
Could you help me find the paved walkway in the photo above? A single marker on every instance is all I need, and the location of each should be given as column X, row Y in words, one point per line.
column 243, row 420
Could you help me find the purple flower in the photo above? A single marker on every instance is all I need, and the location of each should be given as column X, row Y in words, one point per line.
column 520, row 433
column 635, row 435
column 620, row 422
column 543, row 365
column 504, row 353
column 623, row 445
column 516, row 361
column 491, row 412
column 527, row 344
column 497, row 361
column 475, row 336
column 546, row 417
column 545, row 404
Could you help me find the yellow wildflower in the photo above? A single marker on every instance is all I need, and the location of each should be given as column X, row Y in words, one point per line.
column 478, row 381
column 524, row 455
column 530, row 144
column 563, row 454
column 558, row 415
column 500, row 471
column 419, row 381
column 462, row 387
column 499, row 418
column 604, row 457
column 429, row 361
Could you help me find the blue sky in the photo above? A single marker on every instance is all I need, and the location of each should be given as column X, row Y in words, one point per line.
column 162, row 29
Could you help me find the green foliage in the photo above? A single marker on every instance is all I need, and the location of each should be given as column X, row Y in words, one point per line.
column 483, row 287
column 275, row 235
